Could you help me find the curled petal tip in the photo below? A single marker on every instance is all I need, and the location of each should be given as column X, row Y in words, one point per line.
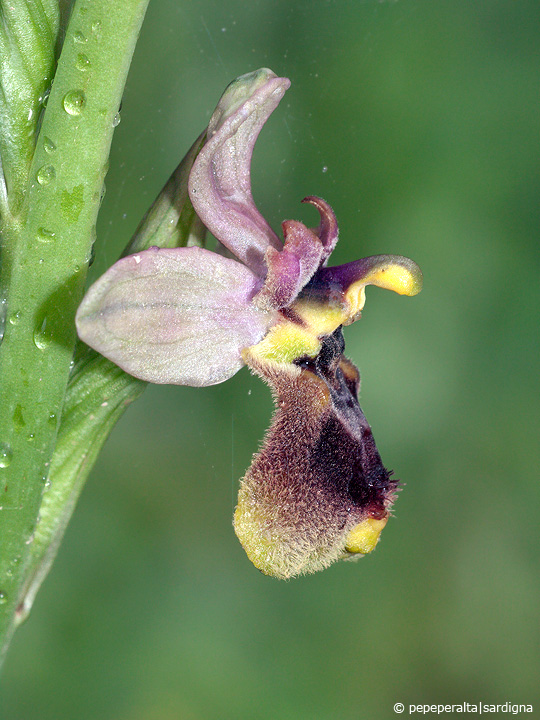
column 239, row 91
column 328, row 230
column 400, row 274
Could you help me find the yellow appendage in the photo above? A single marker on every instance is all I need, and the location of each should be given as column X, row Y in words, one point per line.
column 363, row 537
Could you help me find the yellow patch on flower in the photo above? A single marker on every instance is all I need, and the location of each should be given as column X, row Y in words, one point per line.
column 364, row 536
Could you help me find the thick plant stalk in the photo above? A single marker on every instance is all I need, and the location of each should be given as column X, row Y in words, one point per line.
column 47, row 235
column 99, row 391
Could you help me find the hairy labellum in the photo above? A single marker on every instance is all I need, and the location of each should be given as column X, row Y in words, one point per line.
column 317, row 491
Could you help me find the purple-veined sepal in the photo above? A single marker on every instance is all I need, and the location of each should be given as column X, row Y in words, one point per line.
column 180, row 316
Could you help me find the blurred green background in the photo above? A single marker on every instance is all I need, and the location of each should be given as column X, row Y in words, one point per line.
column 418, row 121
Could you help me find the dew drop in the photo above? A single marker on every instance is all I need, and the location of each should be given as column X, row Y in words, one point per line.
column 74, row 102
column 325, row 169
column 116, row 120
column 45, row 175
column 6, row 455
column 52, row 419
column 48, row 145
column 79, row 37
column 45, row 236
column 14, row 318
column 3, row 597
column 82, row 62
column 42, row 335
column 95, row 26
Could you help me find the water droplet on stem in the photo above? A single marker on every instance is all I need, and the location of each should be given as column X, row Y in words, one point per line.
column 45, row 236
column 18, row 419
column 48, row 145
column 45, row 174
column 42, row 335
column 74, row 102
column 6, row 455
column 82, row 63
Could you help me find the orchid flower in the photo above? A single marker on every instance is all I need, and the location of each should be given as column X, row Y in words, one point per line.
column 317, row 491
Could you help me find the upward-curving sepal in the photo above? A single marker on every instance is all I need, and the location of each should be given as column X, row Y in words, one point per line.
column 180, row 316
column 220, row 182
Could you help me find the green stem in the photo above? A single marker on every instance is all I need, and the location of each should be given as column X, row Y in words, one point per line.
column 99, row 392
column 49, row 245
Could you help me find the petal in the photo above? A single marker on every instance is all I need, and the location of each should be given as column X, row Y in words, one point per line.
column 344, row 286
column 220, row 182
column 179, row 316
column 328, row 229
column 317, row 491
column 291, row 269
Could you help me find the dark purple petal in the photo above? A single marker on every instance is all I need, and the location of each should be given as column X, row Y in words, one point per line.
column 180, row 316
column 220, row 182
column 328, row 229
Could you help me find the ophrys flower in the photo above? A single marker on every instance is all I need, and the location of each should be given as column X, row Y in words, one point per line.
column 317, row 491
